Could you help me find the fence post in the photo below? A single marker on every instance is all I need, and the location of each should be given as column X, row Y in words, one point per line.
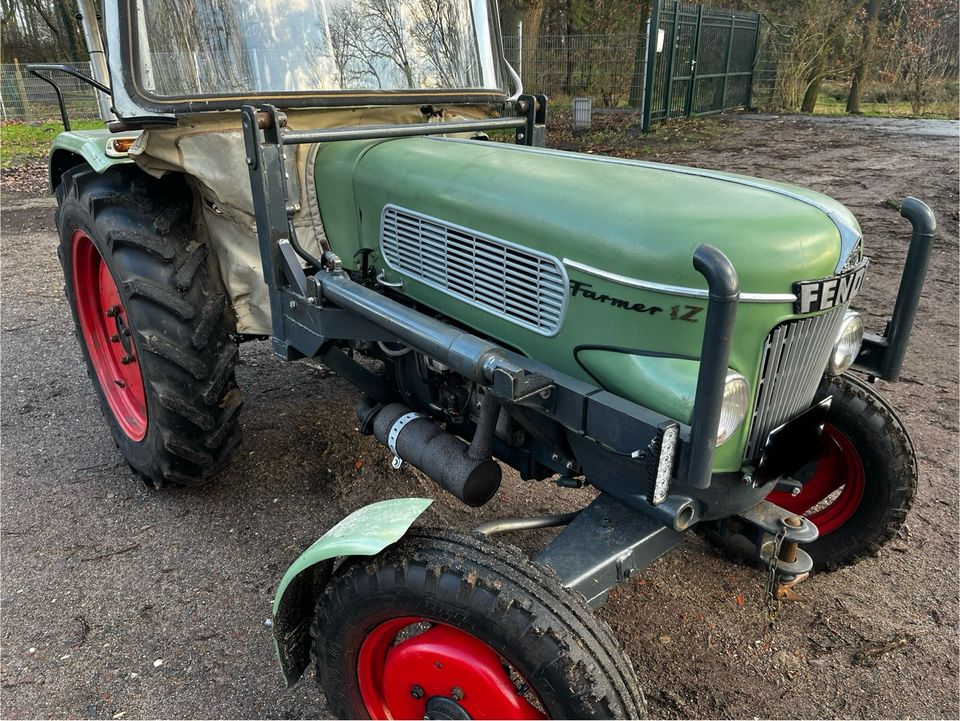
column 21, row 90
column 673, row 53
column 726, row 70
column 694, row 59
column 753, row 65
column 653, row 36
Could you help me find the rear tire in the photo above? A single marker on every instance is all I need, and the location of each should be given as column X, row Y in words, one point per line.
column 461, row 621
column 153, row 323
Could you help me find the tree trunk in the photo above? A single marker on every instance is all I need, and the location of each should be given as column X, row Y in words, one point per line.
column 866, row 49
column 640, row 58
column 813, row 85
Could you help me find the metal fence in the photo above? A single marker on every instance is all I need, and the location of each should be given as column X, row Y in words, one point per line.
column 703, row 61
column 25, row 97
column 607, row 68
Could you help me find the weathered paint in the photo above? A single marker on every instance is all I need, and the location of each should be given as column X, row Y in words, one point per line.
column 631, row 219
column 365, row 532
column 89, row 145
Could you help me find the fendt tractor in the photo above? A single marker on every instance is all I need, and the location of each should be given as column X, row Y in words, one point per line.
column 332, row 175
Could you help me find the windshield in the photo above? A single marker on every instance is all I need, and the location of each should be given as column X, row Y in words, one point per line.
column 190, row 48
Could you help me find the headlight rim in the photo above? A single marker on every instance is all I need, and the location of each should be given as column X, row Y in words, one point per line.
column 835, row 367
column 725, row 433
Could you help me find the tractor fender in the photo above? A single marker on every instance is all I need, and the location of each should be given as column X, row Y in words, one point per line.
column 364, row 532
column 74, row 147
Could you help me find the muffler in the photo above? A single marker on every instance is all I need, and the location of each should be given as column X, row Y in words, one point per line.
column 466, row 470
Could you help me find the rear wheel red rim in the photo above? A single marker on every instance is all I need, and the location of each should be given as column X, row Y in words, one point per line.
column 398, row 676
column 831, row 496
column 108, row 336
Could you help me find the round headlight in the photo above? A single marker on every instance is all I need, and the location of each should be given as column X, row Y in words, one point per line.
column 847, row 347
column 736, row 401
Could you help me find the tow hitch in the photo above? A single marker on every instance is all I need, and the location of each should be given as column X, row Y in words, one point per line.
column 772, row 535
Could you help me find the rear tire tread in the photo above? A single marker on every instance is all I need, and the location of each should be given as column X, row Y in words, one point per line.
column 183, row 327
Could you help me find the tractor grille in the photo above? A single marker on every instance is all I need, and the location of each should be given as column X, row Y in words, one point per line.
column 507, row 280
column 794, row 357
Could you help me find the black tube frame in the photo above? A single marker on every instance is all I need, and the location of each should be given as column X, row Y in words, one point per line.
column 36, row 69
column 881, row 356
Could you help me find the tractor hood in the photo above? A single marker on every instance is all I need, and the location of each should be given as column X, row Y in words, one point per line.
column 634, row 219
column 579, row 261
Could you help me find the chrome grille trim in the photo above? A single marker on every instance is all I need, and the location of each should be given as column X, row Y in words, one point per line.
column 513, row 282
column 794, row 358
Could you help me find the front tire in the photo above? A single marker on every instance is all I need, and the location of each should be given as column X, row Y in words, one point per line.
column 450, row 625
column 152, row 321
column 863, row 482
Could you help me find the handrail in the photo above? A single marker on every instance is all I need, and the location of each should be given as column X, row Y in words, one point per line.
column 36, row 69
column 376, row 132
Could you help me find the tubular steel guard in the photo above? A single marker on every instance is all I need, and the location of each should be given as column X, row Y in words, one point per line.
column 882, row 356
column 724, row 295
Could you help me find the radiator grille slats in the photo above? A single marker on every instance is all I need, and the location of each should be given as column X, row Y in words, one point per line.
column 514, row 283
column 794, row 357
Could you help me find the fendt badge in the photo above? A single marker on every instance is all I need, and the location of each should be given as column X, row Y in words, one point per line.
column 814, row 295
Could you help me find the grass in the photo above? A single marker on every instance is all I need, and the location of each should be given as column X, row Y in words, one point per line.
column 943, row 110
column 21, row 143
column 885, row 100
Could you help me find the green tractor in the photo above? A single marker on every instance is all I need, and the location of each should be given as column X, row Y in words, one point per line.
column 321, row 173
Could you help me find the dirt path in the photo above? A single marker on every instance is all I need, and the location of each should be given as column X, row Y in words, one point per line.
column 119, row 603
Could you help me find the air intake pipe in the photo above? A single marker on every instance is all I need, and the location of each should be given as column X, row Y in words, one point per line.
column 467, row 471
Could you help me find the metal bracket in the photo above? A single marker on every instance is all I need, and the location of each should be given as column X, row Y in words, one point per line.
column 772, row 519
column 394, row 434
column 606, row 543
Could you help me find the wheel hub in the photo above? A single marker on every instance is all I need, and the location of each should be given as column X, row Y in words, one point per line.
column 107, row 335
column 832, row 493
column 441, row 673
column 444, row 707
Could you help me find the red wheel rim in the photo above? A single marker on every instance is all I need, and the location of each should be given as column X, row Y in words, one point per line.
column 398, row 677
column 108, row 336
column 838, row 467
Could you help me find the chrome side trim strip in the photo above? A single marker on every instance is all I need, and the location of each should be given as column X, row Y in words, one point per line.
column 848, row 234
column 674, row 289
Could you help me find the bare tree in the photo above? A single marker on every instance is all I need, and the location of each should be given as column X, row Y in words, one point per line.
column 387, row 35
column 439, row 31
column 866, row 56
column 928, row 50
column 352, row 58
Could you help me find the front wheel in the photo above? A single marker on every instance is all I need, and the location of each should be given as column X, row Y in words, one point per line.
column 863, row 482
column 451, row 625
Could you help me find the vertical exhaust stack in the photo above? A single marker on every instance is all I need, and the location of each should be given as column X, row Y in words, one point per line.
column 87, row 15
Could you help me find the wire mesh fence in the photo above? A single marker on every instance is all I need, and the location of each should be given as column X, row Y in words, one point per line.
column 607, row 68
column 25, row 97
column 767, row 92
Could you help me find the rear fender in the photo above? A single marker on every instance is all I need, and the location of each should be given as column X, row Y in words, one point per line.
column 84, row 146
column 365, row 532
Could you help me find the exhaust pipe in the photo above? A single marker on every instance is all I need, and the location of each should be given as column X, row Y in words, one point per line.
column 467, row 471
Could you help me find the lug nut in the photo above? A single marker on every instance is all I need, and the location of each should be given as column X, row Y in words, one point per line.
column 112, row 312
column 114, row 338
column 416, row 692
column 127, row 359
column 456, row 693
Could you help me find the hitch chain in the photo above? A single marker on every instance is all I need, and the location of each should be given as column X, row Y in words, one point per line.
column 770, row 589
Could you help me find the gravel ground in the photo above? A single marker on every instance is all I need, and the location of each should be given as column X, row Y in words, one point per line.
column 123, row 603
